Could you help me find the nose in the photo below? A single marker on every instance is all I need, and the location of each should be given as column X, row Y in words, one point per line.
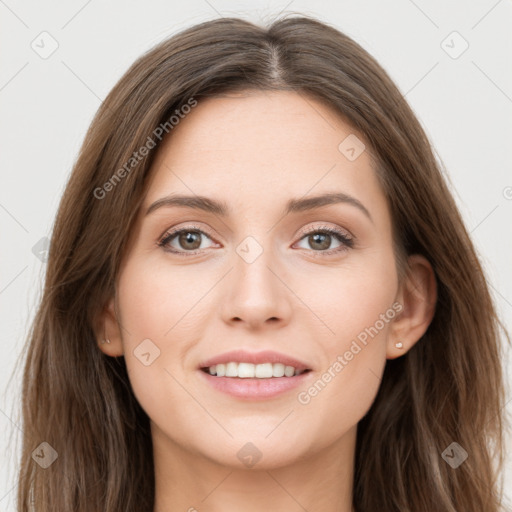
column 256, row 294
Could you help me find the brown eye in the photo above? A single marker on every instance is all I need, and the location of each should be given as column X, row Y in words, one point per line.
column 320, row 240
column 189, row 240
column 183, row 241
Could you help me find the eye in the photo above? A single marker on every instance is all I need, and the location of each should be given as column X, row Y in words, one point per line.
column 321, row 239
column 187, row 240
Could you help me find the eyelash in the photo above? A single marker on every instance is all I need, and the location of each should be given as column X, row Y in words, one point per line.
column 347, row 243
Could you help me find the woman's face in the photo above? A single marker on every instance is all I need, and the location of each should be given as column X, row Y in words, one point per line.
column 263, row 275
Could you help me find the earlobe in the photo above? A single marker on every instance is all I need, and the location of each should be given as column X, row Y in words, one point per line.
column 108, row 334
column 418, row 296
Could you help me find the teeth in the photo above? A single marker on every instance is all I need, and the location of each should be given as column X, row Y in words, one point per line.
column 250, row 371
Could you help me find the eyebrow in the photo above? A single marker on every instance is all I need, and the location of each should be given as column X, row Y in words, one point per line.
column 292, row 206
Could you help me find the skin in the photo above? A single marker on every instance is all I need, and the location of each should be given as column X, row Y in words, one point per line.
column 255, row 151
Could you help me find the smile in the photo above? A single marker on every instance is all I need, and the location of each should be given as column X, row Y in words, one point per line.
column 249, row 370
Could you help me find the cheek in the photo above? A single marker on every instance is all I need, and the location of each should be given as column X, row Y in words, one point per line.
column 158, row 299
column 352, row 298
column 157, row 314
column 164, row 312
column 356, row 305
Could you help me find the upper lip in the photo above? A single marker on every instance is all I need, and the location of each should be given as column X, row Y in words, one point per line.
column 265, row 356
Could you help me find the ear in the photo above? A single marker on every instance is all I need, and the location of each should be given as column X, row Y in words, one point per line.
column 108, row 332
column 418, row 296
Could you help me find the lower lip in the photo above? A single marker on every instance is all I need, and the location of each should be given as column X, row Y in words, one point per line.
column 254, row 388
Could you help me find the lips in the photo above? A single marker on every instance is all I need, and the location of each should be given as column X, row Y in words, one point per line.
column 256, row 389
column 266, row 356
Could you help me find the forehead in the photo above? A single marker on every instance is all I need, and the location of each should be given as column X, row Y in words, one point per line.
column 256, row 147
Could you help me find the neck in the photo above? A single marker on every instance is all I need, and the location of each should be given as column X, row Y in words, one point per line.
column 189, row 481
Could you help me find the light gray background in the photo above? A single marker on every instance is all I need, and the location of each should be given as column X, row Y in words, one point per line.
column 46, row 105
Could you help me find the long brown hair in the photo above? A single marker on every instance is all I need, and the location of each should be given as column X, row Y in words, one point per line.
column 447, row 389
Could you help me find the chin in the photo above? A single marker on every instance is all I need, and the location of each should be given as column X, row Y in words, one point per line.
column 252, row 453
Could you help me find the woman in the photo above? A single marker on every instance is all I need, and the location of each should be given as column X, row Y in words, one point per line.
column 260, row 295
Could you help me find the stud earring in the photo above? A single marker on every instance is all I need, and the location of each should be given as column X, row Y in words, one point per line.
column 106, row 341
column 399, row 345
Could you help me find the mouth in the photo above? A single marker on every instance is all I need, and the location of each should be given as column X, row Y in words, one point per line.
column 254, row 375
column 261, row 371
column 255, row 381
